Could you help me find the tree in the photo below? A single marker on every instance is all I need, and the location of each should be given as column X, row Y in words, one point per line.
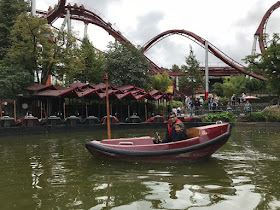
column 12, row 81
column 34, row 49
column 234, row 85
column 193, row 79
column 161, row 82
column 93, row 64
column 268, row 63
column 126, row 65
column 253, row 85
column 218, row 89
column 9, row 11
column 175, row 68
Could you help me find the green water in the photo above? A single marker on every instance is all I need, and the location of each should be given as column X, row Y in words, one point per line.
column 57, row 172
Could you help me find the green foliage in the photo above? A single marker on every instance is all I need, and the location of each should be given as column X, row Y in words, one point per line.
column 268, row 63
column 161, row 82
column 126, row 65
column 12, row 81
column 93, row 64
column 175, row 68
column 272, row 114
column 218, row 89
column 256, row 117
column 33, row 50
column 194, row 79
column 9, row 11
column 234, row 85
column 223, row 116
column 175, row 104
column 223, row 101
column 255, row 85
column 27, row 34
column 237, row 85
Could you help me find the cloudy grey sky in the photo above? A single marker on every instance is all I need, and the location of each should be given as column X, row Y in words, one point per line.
column 229, row 25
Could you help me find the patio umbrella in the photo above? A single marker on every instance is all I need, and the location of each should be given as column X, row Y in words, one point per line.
column 251, row 97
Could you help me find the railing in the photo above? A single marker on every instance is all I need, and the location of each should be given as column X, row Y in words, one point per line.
column 237, row 110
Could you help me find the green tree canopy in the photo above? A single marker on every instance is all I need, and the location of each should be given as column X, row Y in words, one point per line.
column 34, row 50
column 218, row 89
column 12, row 81
column 161, row 82
column 175, row 68
column 194, row 79
column 9, row 11
column 93, row 62
column 126, row 65
column 268, row 63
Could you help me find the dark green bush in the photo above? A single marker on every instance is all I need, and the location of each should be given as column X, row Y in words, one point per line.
column 256, row 117
column 223, row 116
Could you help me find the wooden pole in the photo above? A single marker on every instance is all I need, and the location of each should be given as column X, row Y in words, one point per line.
column 86, row 110
column 64, row 110
column 15, row 111
column 146, row 113
column 107, row 107
column 41, row 106
column 1, row 108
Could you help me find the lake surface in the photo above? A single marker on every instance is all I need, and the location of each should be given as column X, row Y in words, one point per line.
column 56, row 171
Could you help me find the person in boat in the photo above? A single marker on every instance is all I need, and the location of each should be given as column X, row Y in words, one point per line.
column 181, row 133
column 170, row 133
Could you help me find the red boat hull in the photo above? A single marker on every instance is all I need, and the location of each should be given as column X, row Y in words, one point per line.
column 204, row 142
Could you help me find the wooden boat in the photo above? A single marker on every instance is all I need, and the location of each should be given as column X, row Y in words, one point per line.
column 203, row 142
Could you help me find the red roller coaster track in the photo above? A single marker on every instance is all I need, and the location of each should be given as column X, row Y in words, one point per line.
column 87, row 16
column 261, row 29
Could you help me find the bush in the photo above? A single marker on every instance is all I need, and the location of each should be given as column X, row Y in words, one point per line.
column 175, row 104
column 272, row 114
column 256, row 117
column 223, row 116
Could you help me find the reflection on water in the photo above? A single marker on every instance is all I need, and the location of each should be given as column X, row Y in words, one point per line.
column 57, row 172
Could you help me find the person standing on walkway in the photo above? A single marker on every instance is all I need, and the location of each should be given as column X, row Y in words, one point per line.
column 233, row 100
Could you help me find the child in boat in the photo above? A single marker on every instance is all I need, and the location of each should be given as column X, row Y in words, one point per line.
column 180, row 132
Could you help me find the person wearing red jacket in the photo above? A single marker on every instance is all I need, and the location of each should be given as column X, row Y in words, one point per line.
column 171, row 134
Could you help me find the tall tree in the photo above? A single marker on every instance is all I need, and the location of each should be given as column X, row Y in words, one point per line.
column 268, row 63
column 127, row 65
column 161, row 82
column 37, row 48
column 194, row 78
column 9, row 11
column 93, row 62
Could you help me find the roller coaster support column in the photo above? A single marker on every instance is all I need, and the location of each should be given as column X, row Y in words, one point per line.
column 206, row 71
column 68, row 19
column 256, row 37
column 33, row 7
column 85, row 29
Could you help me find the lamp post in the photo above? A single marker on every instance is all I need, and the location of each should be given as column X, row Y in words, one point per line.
column 105, row 77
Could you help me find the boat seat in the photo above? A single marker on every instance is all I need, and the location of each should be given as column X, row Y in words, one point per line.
column 193, row 132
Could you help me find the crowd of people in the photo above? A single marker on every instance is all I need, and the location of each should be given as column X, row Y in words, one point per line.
column 192, row 107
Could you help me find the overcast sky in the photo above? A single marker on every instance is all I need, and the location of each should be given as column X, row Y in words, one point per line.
column 229, row 25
